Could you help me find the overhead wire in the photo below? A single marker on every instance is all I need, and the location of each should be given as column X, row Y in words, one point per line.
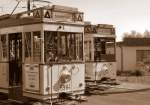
column 15, row 7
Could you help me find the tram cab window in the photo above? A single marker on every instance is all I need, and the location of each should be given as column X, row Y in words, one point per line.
column 63, row 46
column 3, row 47
column 37, row 46
column 27, row 41
column 104, row 49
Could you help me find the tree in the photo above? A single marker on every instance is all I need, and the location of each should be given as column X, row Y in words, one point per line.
column 146, row 34
column 139, row 35
column 133, row 33
column 126, row 34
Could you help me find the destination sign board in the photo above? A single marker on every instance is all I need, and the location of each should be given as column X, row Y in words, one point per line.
column 100, row 29
column 62, row 16
column 58, row 15
column 106, row 31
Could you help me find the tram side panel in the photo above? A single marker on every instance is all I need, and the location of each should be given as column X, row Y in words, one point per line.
column 44, row 81
column 4, row 82
column 78, row 79
column 99, row 70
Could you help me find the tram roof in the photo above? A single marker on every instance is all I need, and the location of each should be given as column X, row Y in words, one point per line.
column 132, row 42
column 54, row 14
column 99, row 29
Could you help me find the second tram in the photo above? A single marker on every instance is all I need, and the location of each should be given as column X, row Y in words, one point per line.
column 100, row 52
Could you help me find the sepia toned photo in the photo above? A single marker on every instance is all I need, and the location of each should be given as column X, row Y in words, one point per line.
column 74, row 52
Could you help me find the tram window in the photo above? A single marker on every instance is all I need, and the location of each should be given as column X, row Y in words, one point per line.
column 71, row 46
column 50, row 46
column 37, row 46
column 88, row 52
column 63, row 46
column 27, row 41
column 104, row 49
column 79, row 45
column 110, row 47
column 3, row 47
column 98, row 49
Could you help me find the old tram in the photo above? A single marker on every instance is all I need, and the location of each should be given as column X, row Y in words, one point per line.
column 41, row 53
column 99, row 52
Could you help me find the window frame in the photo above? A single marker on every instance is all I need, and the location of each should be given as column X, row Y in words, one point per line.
column 2, row 58
column 69, row 39
column 32, row 49
column 103, row 56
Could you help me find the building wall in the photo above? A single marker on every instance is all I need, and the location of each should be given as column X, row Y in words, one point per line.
column 118, row 58
column 128, row 59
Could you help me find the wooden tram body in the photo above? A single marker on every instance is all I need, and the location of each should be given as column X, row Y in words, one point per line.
column 100, row 52
column 42, row 53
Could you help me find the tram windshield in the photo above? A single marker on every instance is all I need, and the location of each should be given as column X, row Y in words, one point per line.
column 63, row 46
column 104, row 49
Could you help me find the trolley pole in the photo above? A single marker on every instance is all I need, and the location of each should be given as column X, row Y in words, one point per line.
column 28, row 5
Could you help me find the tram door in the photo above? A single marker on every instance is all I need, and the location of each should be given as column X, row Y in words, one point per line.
column 15, row 65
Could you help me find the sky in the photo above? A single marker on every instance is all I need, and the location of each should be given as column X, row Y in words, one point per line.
column 125, row 15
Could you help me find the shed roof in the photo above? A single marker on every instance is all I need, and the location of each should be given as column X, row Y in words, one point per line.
column 134, row 42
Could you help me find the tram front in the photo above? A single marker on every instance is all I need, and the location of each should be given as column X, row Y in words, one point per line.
column 57, row 53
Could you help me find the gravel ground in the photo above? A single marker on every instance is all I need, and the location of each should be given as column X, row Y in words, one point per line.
column 135, row 98
column 133, row 79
